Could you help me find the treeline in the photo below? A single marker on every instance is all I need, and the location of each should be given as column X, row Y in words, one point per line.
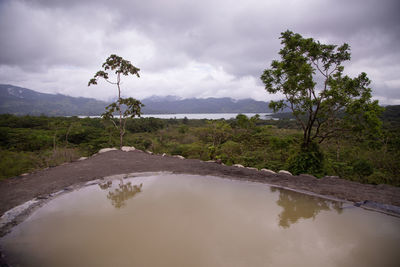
column 28, row 143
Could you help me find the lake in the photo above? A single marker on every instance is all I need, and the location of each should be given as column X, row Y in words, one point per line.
column 198, row 116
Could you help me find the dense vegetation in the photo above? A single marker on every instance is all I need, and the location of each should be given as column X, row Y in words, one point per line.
column 28, row 143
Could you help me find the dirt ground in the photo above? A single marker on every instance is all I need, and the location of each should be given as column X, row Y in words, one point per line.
column 17, row 190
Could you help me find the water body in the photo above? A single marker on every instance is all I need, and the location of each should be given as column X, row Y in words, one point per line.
column 209, row 116
column 199, row 116
column 189, row 220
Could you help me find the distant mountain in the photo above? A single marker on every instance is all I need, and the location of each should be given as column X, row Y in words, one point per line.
column 22, row 101
column 172, row 104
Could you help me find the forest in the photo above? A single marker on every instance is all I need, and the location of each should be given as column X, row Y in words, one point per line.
column 29, row 143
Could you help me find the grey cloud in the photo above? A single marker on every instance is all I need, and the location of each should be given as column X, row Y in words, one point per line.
column 240, row 36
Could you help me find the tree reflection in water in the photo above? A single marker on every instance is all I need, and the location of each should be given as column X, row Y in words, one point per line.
column 298, row 205
column 120, row 195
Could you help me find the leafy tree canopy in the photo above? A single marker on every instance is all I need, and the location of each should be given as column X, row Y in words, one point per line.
column 325, row 102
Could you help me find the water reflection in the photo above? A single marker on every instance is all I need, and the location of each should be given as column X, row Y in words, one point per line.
column 298, row 206
column 120, row 195
column 105, row 185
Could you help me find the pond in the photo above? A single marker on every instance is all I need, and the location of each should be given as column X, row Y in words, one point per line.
column 169, row 219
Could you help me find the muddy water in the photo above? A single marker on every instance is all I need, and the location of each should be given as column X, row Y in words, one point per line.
column 187, row 220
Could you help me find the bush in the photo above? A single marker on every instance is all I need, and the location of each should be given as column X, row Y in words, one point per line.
column 16, row 163
column 307, row 161
column 362, row 168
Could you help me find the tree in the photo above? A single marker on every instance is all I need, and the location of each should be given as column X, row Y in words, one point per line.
column 125, row 107
column 324, row 101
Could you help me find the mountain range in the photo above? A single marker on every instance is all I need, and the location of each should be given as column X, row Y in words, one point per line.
column 22, row 101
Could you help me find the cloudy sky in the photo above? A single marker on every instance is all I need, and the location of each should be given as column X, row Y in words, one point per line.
column 188, row 48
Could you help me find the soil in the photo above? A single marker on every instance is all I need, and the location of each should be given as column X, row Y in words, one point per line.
column 17, row 190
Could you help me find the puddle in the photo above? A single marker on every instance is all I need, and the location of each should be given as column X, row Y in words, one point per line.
column 189, row 220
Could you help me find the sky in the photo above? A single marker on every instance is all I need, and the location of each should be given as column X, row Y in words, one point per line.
column 187, row 48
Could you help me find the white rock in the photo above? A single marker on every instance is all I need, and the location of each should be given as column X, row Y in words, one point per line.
column 82, row 158
column 149, row 152
column 179, row 157
column 103, row 150
column 268, row 171
column 163, row 155
column 251, row 168
column 238, row 165
column 128, row 148
column 284, row 172
column 13, row 213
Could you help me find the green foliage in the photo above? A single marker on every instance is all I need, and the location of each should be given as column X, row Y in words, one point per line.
column 15, row 163
column 144, row 125
column 309, row 160
column 27, row 143
column 310, row 76
column 362, row 168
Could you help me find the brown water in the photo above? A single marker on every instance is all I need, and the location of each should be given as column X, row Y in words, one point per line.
column 188, row 220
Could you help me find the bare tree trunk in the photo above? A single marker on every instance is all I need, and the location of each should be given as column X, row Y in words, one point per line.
column 337, row 150
column 54, row 141
column 120, row 112
column 66, row 135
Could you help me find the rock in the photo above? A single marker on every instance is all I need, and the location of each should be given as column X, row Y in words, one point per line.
column 10, row 215
column 251, row 168
column 127, row 148
column 308, row 176
column 285, row 172
column 103, row 150
column 238, row 165
column 268, row 171
column 163, row 155
column 378, row 206
column 25, row 174
column 149, row 152
column 179, row 157
column 331, row 177
column 82, row 158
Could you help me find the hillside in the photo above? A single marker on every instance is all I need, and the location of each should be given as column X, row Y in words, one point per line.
column 170, row 104
column 21, row 101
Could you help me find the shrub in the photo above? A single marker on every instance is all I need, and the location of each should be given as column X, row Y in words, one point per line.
column 362, row 168
column 307, row 161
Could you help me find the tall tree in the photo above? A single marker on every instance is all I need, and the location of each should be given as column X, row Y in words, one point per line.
column 324, row 101
column 125, row 107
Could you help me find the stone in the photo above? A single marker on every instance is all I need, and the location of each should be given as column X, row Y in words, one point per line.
column 103, row 150
column 251, row 168
column 238, row 165
column 10, row 215
column 149, row 152
column 308, row 176
column 127, row 148
column 163, row 155
column 82, row 158
column 284, row 172
column 331, row 177
column 179, row 157
column 268, row 171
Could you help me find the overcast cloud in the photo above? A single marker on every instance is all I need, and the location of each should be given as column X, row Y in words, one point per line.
column 208, row 48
